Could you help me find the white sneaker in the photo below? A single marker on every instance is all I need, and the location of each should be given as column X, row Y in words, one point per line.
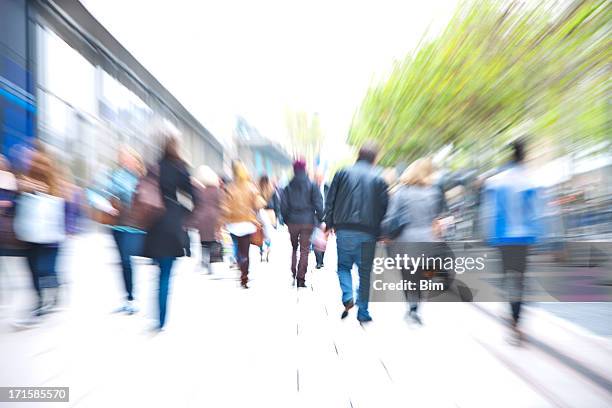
column 33, row 320
column 130, row 307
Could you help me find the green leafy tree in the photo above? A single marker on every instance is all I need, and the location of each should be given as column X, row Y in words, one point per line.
column 494, row 71
column 305, row 135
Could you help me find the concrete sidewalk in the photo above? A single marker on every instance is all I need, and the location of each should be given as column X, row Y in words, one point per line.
column 276, row 346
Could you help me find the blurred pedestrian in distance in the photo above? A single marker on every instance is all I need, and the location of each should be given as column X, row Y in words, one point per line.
column 206, row 217
column 166, row 238
column 356, row 204
column 410, row 222
column 75, row 201
column 389, row 174
column 302, row 209
column 8, row 194
column 322, row 187
column 240, row 206
column 271, row 212
column 129, row 237
column 511, row 221
column 40, row 224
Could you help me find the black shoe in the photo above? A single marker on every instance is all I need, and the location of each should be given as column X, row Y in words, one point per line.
column 319, row 266
column 347, row 306
column 301, row 284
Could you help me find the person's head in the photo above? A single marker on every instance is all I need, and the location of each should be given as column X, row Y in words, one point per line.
column 390, row 176
column 131, row 160
column 42, row 169
column 518, row 151
column 418, row 173
column 207, row 176
column 368, row 152
column 240, row 172
column 299, row 166
column 264, row 181
column 319, row 177
column 265, row 187
column 172, row 150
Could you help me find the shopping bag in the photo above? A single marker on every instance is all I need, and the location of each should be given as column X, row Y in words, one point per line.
column 40, row 218
column 319, row 240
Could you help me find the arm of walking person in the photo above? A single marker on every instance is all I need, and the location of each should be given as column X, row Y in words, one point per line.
column 317, row 203
column 284, row 203
column 328, row 216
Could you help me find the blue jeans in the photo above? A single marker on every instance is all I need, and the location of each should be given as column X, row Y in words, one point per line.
column 42, row 260
column 129, row 244
column 165, row 269
column 355, row 247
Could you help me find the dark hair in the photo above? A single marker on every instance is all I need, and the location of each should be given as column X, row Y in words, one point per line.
column 171, row 148
column 368, row 152
column 518, row 150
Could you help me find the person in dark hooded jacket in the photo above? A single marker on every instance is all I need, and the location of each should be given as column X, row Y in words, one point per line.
column 302, row 209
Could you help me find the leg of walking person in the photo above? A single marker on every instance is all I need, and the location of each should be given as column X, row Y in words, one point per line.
column 344, row 245
column 165, row 270
column 514, row 264
column 32, row 254
column 206, row 255
column 319, row 257
column 413, row 296
column 294, row 236
column 50, row 282
column 121, row 239
column 364, row 257
column 305, row 232
column 235, row 248
column 244, row 244
column 128, row 244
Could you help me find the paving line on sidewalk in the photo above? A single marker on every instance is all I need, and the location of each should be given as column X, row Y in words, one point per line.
column 561, row 357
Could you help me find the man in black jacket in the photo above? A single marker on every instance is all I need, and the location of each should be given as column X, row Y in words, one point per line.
column 302, row 209
column 355, row 206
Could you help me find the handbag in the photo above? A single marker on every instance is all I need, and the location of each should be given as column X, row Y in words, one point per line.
column 40, row 218
column 257, row 238
column 147, row 204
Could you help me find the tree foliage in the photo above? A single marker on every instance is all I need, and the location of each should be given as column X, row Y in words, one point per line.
column 304, row 134
column 494, row 71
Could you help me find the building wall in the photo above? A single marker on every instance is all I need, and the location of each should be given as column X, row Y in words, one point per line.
column 17, row 104
column 50, row 90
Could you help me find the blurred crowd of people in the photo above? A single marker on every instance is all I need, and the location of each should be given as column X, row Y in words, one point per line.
column 149, row 209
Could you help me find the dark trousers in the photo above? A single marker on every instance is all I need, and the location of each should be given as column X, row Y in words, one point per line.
column 413, row 297
column 42, row 260
column 319, row 257
column 242, row 246
column 165, row 270
column 514, row 264
column 129, row 244
column 300, row 239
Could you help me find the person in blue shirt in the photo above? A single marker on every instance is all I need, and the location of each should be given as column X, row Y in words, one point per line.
column 511, row 211
column 129, row 239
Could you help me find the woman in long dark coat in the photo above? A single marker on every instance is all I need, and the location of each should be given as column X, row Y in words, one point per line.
column 167, row 239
